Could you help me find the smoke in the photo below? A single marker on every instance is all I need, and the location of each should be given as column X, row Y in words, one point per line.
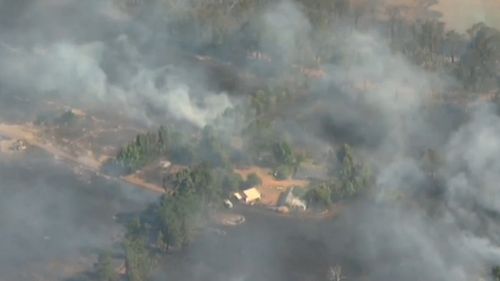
column 462, row 14
column 109, row 59
column 285, row 32
column 50, row 218
column 103, row 73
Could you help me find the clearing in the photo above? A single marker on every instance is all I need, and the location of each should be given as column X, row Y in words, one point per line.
column 271, row 188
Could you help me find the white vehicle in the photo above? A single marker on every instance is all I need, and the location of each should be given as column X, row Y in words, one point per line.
column 228, row 204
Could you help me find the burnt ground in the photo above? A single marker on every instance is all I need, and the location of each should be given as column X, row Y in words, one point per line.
column 53, row 223
column 265, row 247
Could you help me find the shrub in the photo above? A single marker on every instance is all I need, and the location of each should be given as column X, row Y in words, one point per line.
column 252, row 180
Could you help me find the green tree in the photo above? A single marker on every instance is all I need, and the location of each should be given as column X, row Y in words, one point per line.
column 231, row 182
column 163, row 139
column 480, row 62
column 138, row 260
column 213, row 149
column 252, row 180
column 283, row 172
column 68, row 118
column 261, row 102
column 177, row 218
column 352, row 175
column 431, row 36
column 283, row 154
column 495, row 273
column 134, row 229
column 170, row 221
column 184, row 154
column 161, row 242
column 104, row 268
column 454, row 45
column 320, row 196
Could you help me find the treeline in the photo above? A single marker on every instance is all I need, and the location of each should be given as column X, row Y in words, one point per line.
column 66, row 119
column 415, row 31
column 263, row 145
column 473, row 58
column 174, row 221
column 205, row 146
column 348, row 178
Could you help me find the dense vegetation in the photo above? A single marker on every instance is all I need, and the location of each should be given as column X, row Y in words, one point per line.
column 348, row 178
column 66, row 119
column 104, row 268
column 473, row 59
column 179, row 148
column 495, row 273
column 174, row 221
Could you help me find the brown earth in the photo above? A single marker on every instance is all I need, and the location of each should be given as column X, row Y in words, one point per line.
column 271, row 188
column 29, row 134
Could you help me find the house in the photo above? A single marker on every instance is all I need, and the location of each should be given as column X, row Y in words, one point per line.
column 287, row 199
column 251, row 195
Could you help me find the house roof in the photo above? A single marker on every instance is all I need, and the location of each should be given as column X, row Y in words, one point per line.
column 251, row 194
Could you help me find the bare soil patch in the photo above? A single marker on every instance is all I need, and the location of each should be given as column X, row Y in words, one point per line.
column 271, row 188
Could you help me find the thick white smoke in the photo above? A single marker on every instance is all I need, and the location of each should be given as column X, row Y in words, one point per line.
column 74, row 72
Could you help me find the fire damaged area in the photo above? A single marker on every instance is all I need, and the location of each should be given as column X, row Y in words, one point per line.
column 234, row 140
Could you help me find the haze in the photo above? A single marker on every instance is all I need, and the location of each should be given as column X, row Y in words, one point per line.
column 234, row 140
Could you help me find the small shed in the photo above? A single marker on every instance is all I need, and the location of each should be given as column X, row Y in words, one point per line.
column 251, row 195
column 289, row 200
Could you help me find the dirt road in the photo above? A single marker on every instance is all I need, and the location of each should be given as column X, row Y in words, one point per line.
column 30, row 135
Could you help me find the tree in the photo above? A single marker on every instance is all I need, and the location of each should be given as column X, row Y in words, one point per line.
column 395, row 17
column 480, row 62
column 212, row 149
column 161, row 242
column 163, row 139
column 231, row 182
column 183, row 154
column 495, row 273
column 431, row 36
column 283, row 154
column 170, row 220
column 68, row 118
column 352, row 175
column 260, row 102
column 260, row 137
column 138, row 260
column 134, row 229
column 319, row 196
column 252, row 180
column 104, row 268
column 454, row 45
column 177, row 217
column 342, row 7
column 283, row 172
